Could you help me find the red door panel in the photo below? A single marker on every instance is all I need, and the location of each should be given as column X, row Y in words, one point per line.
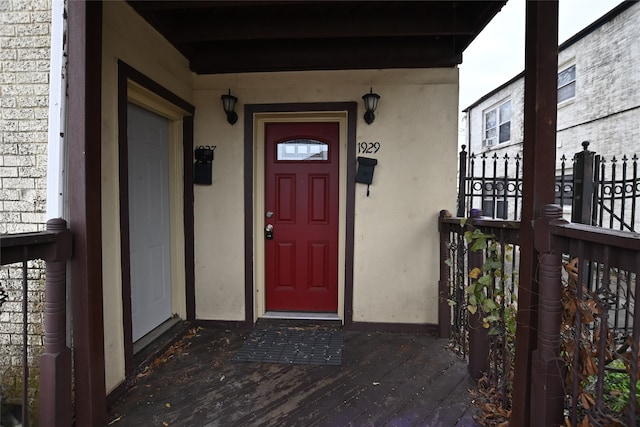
column 285, row 197
column 318, row 199
column 301, row 192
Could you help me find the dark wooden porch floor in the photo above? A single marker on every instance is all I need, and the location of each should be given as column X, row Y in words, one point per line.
column 386, row 379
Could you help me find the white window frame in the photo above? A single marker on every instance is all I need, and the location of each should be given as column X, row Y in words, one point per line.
column 567, row 83
column 500, row 121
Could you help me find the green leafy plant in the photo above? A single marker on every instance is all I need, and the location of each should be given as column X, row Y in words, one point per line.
column 486, row 292
column 488, row 297
column 617, row 384
column 615, row 379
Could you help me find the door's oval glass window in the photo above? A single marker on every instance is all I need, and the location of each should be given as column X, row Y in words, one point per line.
column 302, row 150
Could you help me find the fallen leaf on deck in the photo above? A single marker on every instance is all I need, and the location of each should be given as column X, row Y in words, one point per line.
column 115, row 421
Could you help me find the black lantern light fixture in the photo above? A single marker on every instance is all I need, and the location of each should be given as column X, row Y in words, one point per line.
column 370, row 105
column 229, row 104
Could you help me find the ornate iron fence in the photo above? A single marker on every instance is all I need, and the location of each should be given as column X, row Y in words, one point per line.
column 595, row 190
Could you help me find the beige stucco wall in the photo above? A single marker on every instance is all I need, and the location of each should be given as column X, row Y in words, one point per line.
column 396, row 241
column 128, row 38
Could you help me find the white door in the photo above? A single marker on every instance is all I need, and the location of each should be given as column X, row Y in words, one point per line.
column 149, row 238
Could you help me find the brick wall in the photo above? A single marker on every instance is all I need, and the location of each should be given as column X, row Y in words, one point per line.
column 606, row 107
column 24, row 89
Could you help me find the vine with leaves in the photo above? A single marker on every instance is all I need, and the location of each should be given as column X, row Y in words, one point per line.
column 488, row 297
column 486, row 292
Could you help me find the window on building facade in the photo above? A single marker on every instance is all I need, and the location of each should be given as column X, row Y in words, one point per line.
column 497, row 125
column 567, row 84
column 494, row 199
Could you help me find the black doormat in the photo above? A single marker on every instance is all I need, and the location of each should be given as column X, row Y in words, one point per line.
column 296, row 346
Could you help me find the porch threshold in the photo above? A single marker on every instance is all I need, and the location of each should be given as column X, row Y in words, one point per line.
column 299, row 315
column 300, row 319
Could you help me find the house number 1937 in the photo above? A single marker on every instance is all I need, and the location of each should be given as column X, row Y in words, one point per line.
column 368, row 147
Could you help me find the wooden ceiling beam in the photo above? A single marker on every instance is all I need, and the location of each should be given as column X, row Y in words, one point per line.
column 268, row 57
column 245, row 36
column 288, row 26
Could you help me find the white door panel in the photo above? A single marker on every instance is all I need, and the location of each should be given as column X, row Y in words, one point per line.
column 149, row 237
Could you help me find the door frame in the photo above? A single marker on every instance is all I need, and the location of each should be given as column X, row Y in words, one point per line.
column 135, row 87
column 255, row 117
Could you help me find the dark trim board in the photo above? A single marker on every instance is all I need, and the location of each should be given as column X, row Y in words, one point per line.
column 189, row 244
column 127, row 73
column 152, row 86
column 123, row 179
column 84, row 136
column 427, row 328
column 249, row 111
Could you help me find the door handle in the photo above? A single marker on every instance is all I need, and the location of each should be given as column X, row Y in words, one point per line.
column 268, row 232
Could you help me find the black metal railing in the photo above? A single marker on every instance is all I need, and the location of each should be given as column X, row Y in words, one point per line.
column 598, row 352
column 54, row 247
column 597, row 191
column 616, row 193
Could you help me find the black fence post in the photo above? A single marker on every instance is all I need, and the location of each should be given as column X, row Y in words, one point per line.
column 583, row 186
column 462, row 181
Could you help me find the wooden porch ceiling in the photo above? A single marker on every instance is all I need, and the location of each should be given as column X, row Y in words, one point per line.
column 254, row 36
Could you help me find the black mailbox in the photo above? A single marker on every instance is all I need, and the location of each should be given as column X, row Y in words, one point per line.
column 203, row 168
column 364, row 174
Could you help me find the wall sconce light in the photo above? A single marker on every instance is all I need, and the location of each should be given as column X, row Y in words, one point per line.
column 370, row 105
column 229, row 103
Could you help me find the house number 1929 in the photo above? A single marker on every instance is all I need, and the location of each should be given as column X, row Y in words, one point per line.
column 368, row 147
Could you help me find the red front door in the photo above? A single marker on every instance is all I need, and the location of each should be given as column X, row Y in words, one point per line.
column 301, row 211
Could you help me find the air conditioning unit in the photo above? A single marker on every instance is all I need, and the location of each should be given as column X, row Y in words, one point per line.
column 489, row 142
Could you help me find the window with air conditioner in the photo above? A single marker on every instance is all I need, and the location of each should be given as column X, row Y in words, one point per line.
column 497, row 124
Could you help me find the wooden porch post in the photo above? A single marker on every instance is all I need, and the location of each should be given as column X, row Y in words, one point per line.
column 85, row 220
column 540, row 107
column 55, row 362
column 547, row 391
column 444, row 309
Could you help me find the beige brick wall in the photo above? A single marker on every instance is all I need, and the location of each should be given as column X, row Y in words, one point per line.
column 24, row 89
